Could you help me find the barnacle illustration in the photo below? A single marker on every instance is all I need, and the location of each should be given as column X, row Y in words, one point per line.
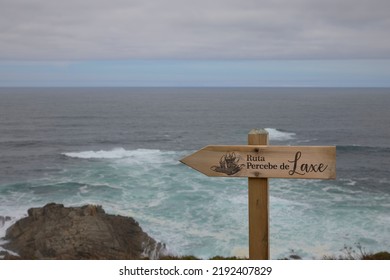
column 228, row 164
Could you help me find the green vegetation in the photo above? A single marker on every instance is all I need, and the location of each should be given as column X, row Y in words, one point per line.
column 347, row 253
column 350, row 253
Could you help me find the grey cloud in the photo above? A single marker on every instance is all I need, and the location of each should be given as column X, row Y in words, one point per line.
column 202, row 29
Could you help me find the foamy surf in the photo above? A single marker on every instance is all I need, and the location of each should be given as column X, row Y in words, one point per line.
column 116, row 153
column 5, row 223
column 278, row 135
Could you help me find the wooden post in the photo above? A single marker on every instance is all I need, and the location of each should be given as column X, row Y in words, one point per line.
column 258, row 199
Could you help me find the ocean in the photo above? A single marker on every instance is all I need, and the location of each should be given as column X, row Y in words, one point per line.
column 120, row 148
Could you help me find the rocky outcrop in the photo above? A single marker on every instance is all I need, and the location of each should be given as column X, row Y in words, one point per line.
column 87, row 232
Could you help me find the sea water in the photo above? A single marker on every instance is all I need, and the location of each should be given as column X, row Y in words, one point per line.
column 120, row 148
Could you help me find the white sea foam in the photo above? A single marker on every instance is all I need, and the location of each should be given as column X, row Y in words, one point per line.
column 4, row 225
column 120, row 153
column 6, row 250
column 102, row 154
column 278, row 135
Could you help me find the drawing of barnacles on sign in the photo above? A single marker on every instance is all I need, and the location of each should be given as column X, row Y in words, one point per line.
column 228, row 164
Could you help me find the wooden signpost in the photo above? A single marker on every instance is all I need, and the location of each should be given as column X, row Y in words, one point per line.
column 258, row 161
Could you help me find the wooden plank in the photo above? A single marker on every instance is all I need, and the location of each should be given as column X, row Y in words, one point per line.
column 262, row 161
column 258, row 206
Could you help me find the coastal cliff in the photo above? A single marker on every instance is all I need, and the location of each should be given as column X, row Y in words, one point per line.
column 87, row 232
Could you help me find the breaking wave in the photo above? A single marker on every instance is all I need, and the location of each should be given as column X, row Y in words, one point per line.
column 117, row 153
column 278, row 135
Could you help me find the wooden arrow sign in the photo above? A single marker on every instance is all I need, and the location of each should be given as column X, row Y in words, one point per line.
column 257, row 161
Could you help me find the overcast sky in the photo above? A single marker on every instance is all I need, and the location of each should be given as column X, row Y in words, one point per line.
column 188, row 42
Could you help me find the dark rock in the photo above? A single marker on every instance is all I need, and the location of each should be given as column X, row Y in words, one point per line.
column 378, row 256
column 87, row 232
